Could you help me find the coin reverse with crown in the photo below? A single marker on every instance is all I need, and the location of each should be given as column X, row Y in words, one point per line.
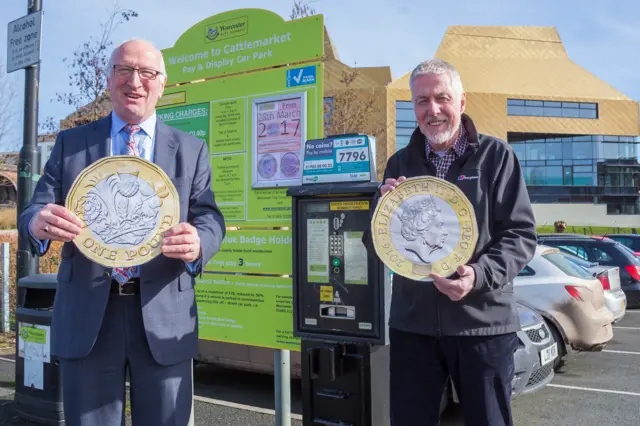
column 424, row 225
column 126, row 204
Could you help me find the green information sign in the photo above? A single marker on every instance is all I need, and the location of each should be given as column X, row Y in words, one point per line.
column 250, row 310
column 255, row 252
column 193, row 119
column 231, row 82
column 229, row 132
column 238, row 154
column 243, row 40
column 229, row 176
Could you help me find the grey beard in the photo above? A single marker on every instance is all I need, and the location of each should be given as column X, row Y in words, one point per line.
column 440, row 138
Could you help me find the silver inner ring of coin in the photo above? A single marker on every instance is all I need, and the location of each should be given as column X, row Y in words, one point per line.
column 425, row 229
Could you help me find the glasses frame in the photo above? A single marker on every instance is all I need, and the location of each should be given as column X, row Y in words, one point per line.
column 131, row 70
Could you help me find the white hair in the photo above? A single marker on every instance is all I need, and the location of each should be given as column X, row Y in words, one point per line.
column 438, row 67
column 110, row 64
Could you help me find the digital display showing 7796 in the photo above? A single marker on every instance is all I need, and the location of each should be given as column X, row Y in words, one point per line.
column 352, row 155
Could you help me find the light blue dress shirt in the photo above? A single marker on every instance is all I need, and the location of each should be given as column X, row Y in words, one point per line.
column 145, row 139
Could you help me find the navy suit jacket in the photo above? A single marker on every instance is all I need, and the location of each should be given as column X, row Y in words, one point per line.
column 166, row 286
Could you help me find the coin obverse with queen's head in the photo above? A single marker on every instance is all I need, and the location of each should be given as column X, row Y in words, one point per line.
column 424, row 225
column 126, row 204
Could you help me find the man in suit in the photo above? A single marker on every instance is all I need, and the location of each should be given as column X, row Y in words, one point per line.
column 141, row 319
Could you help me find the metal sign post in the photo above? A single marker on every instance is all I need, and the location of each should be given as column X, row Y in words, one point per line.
column 24, row 37
column 282, row 387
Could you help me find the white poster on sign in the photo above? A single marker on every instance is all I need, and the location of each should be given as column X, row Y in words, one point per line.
column 278, row 129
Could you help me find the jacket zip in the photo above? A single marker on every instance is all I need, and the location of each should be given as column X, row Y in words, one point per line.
column 449, row 177
column 431, row 170
column 456, row 166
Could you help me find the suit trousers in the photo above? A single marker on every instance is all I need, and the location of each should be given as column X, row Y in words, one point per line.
column 481, row 368
column 93, row 387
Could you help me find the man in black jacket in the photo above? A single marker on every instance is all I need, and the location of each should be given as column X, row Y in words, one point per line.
column 463, row 326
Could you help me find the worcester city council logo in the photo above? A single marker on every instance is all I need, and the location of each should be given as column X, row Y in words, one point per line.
column 212, row 33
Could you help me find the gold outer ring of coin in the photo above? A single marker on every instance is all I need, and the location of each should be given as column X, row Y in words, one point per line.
column 393, row 257
column 111, row 255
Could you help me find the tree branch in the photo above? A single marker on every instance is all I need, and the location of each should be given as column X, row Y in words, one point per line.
column 88, row 76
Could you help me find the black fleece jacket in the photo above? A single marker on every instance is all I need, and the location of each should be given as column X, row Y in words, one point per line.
column 489, row 174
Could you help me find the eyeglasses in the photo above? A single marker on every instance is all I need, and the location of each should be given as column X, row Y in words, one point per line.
column 144, row 73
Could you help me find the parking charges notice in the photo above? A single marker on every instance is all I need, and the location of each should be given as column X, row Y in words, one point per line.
column 193, row 119
column 337, row 160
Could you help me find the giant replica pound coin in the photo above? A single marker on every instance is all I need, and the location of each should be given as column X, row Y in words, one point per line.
column 126, row 203
column 424, row 225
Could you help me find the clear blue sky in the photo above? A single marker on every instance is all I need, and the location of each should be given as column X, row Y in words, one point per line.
column 602, row 37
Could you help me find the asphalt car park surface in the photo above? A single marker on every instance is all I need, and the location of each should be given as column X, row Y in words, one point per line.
column 601, row 388
column 591, row 388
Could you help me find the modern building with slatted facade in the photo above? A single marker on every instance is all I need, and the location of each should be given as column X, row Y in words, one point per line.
column 577, row 137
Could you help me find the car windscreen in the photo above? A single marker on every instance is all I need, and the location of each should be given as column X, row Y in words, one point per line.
column 632, row 243
column 560, row 261
column 627, row 255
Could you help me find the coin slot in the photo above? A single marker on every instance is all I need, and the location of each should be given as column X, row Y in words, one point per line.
column 337, row 311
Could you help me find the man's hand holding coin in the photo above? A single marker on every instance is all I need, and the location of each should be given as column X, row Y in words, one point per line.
column 182, row 242
column 391, row 183
column 55, row 223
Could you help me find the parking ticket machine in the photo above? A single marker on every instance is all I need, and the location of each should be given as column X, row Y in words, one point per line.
column 341, row 299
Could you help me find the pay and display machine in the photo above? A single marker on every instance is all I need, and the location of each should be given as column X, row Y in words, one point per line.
column 341, row 299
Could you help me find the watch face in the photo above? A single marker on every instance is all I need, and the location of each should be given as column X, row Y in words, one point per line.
column 126, row 204
column 424, row 225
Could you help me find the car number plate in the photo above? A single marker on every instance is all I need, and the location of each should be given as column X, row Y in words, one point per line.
column 548, row 354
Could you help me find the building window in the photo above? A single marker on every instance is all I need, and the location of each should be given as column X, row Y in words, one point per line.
column 609, row 162
column 405, row 123
column 523, row 107
column 623, row 208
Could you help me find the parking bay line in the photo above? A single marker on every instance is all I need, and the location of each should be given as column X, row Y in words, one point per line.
column 553, row 385
column 219, row 402
column 621, row 352
column 241, row 406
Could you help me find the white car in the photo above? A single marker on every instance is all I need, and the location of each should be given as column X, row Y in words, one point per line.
column 569, row 298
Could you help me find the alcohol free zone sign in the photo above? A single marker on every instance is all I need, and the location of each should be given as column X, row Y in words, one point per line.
column 24, row 37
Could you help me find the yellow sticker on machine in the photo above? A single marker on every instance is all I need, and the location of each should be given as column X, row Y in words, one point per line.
column 326, row 293
column 349, row 205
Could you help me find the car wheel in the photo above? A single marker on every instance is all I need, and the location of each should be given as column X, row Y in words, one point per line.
column 562, row 350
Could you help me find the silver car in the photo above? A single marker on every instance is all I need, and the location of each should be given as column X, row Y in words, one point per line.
column 536, row 354
column 614, row 298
